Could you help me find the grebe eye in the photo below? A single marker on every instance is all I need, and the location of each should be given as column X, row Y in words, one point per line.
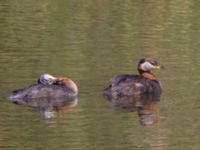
column 15, row 91
column 154, row 63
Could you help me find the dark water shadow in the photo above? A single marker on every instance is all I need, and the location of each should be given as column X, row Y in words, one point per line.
column 49, row 106
column 146, row 106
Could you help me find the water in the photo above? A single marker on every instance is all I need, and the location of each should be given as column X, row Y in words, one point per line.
column 91, row 41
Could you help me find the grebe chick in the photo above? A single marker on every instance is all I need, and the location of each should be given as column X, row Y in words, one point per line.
column 144, row 83
column 48, row 86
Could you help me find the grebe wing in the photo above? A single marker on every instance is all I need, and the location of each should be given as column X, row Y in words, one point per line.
column 124, row 78
column 40, row 90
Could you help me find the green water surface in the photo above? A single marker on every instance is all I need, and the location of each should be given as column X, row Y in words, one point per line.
column 90, row 41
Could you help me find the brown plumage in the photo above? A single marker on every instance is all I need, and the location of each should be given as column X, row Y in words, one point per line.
column 65, row 81
column 144, row 83
column 48, row 86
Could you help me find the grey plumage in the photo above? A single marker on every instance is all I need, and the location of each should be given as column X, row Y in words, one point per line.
column 41, row 90
column 126, row 85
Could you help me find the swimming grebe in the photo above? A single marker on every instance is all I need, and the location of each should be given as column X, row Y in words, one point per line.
column 144, row 83
column 48, row 86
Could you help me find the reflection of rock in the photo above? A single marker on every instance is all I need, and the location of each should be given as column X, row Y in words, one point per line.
column 147, row 107
column 49, row 105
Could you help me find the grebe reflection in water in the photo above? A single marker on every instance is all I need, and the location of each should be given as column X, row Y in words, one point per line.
column 139, row 93
column 49, row 106
column 146, row 106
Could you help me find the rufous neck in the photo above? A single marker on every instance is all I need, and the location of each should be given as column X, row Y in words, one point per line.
column 67, row 82
column 147, row 74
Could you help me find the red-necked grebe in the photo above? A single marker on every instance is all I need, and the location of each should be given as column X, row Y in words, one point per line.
column 48, row 86
column 144, row 83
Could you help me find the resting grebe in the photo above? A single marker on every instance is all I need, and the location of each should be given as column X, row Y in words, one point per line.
column 48, row 86
column 144, row 83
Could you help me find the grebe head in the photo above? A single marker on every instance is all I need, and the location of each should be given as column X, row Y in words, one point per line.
column 46, row 79
column 148, row 64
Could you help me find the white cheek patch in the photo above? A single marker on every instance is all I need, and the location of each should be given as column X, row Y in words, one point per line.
column 146, row 66
column 47, row 79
